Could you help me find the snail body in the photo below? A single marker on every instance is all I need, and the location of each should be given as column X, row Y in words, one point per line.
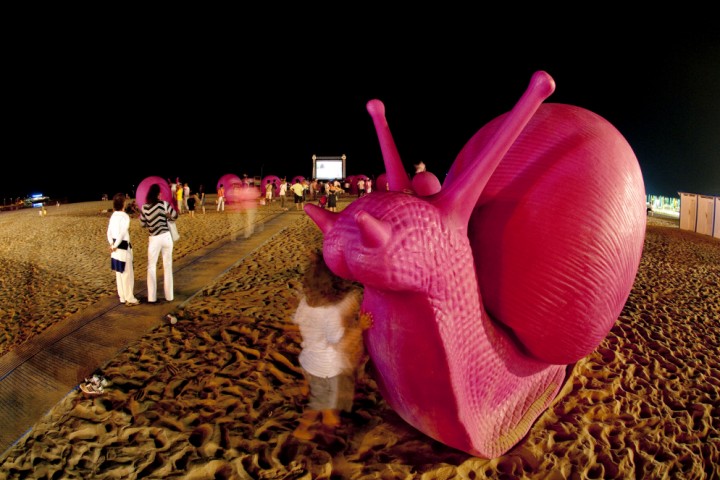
column 492, row 283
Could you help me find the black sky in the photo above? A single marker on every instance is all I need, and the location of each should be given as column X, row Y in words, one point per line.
column 93, row 114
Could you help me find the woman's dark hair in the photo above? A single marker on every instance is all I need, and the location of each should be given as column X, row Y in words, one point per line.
column 153, row 195
column 118, row 202
column 320, row 285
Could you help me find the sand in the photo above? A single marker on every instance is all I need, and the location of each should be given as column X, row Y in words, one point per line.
column 217, row 395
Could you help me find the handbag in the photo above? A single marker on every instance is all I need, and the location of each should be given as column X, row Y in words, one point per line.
column 173, row 228
column 173, row 231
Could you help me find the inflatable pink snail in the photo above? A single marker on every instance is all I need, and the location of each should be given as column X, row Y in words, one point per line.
column 496, row 281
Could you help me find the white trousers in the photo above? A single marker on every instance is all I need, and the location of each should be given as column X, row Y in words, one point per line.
column 126, row 280
column 221, row 204
column 157, row 244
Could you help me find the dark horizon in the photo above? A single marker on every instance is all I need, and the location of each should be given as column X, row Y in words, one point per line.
column 102, row 126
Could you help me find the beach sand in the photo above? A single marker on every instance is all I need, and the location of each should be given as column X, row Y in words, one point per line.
column 217, row 395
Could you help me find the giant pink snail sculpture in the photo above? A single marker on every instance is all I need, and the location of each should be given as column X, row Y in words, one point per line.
column 483, row 290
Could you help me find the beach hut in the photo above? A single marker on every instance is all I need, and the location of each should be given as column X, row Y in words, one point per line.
column 700, row 213
column 705, row 214
column 688, row 211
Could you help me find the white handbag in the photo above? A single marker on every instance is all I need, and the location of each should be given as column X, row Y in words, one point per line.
column 173, row 228
column 174, row 231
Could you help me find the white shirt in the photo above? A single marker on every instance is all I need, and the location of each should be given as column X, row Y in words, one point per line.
column 322, row 329
column 118, row 228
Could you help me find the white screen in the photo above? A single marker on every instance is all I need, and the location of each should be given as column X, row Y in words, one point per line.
column 328, row 169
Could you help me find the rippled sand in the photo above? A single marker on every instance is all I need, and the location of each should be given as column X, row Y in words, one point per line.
column 218, row 394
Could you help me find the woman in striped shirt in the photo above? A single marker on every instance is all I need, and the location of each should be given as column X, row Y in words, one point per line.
column 154, row 216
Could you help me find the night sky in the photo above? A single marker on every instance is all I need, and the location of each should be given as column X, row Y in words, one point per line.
column 89, row 115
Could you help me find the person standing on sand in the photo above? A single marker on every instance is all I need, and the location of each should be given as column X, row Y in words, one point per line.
column 201, row 197
column 180, row 195
column 332, row 345
column 283, row 192
column 154, row 216
column 221, row 198
column 269, row 187
column 361, row 187
column 191, row 201
column 121, row 253
column 186, row 196
column 298, row 189
column 332, row 197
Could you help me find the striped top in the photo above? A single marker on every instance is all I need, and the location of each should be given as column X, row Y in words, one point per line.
column 154, row 218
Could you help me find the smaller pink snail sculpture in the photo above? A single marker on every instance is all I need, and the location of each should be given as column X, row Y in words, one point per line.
column 484, row 289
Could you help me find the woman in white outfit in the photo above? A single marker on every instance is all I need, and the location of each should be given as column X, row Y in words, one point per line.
column 155, row 215
column 121, row 254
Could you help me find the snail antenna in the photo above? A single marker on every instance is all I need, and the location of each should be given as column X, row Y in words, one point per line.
column 398, row 180
column 469, row 184
column 324, row 219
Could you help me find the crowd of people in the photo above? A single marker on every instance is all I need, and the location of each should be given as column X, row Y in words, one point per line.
column 157, row 214
column 325, row 192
